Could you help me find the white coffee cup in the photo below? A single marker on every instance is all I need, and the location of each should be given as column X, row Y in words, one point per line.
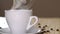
column 19, row 20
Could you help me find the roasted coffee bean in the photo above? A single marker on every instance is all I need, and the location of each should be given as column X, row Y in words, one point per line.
column 38, row 23
column 42, row 29
column 57, row 29
column 51, row 29
column 48, row 31
column 45, row 25
column 39, row 26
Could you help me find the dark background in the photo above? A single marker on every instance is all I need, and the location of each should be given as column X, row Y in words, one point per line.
column 41, row 8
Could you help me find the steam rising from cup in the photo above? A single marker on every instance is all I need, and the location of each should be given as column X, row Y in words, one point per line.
column 21, row 4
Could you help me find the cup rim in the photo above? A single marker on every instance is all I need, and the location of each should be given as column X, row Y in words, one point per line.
column 21, row 10
column 18, row 10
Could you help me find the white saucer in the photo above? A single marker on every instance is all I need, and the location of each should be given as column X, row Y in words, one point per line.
column 7, row 30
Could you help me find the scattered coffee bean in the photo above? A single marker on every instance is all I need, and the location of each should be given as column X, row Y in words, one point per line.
column 48, row 31
column 42, row 29
column 51, row 29
column 39, row 26
column 57, row 29
column 38, row 23
column 45, row 25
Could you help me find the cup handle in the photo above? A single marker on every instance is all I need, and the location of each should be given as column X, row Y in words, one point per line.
column 29, row 25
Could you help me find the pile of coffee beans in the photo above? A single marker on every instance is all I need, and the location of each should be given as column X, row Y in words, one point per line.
column 43, row 29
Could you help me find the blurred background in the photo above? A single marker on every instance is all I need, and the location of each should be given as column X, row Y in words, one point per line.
column 41, row 8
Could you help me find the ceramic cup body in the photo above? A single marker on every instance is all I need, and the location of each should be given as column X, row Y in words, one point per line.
column 17, row 20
